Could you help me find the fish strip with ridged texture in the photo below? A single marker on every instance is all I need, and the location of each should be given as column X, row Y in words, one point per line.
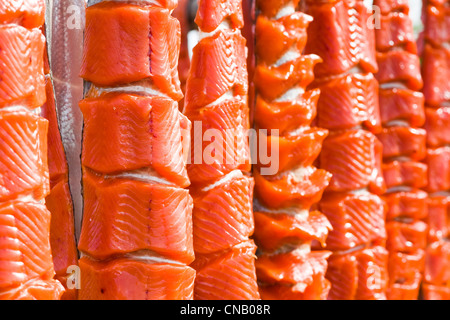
column 136, row 237
column 216, row 103
column 436, row 90
column 26, row 266
column 285, row 220
column 404, row 146
column 349, row 107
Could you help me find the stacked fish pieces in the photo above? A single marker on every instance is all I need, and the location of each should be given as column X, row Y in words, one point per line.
column 289, row 185
column 436, row 72
column 348, row 106
column 136, row 237
column 219, row 169
column 26, row 266
column 402, row 115
column 59, row 201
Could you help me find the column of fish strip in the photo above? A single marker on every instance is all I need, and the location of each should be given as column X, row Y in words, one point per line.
column 216, row 103
column 348, row 107
column 136, row 238
column 26, row 266
column 285, row 225
column 436, row 73
column 402, row 115
column 59, row 201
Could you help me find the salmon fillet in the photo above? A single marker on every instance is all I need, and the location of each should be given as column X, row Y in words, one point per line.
column 122, row 216
column 125, row 132
column 349, row 101
column 227, row 275
column 403, row 141
column 126, row 279
column 399, row 104
column 396, row 30
column 346, row 42
column 405, row 173
column 23, row 154
column 211, row 14
column 288, row 115
column 436, row 263
column 139, row 56
column 21, row 65
column 229, row 205
column 25, row 252
column 354, row 159
column 219, row 141
column 437, row 126
column 27, row 13
column 358, row 275
column 277, row 230
column 438, row 162
column 356, row 219
column 406, row 237
column 410, row 204
column 438, row 219
column 437, row 24
column 435, row 74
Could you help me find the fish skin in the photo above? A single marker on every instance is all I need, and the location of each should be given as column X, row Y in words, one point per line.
column 272, row 82
column 399, row 66
column 27, row 13
column 438, row 218
column 222, row 216
column 396, row 30
column 275, row 37
column 24, row 244
column 410, row 204
column 286, row 116
column 402, row 104
column 62, row 233
column 437, row 24
column 356, row 219
column 124, row 279
column 436, row 63
column 218, row 66
column 23, row 139
column 227, row 122
column 211, row 14
column 406, row 237
column 227, row 275
column 22, row 67
column 106, row 20
column 354, row 159
column 403, row 141
column 346, row 40
column 57, row 158
column 352, row 279
column 123, row 216
column 405, row 173
column 437, row 126
column 349, row 101
column 125, row 132
column 285, row 191
column 295, row 149
column 438, row 162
